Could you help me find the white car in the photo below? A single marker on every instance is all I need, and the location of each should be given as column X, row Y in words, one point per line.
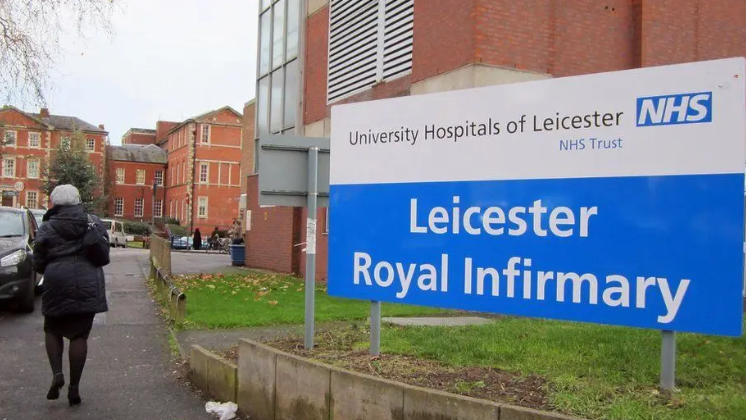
column 115, row 228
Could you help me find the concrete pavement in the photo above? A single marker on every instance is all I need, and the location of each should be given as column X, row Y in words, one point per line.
column 128, row 375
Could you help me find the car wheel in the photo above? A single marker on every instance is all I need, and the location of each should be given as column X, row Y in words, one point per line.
column 26, row 305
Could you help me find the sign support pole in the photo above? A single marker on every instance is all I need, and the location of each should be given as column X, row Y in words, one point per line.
column 668, row 360
column 375, row 328
column 313, row 192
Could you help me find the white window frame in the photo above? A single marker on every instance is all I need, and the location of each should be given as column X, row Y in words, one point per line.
column 119, row 207
column 138, row 179
column 158, row 208
column 204, row 169
column 38, row 136
column 141, row 202
column 36, row 199
column 202, row 204
column 206, row 133
column 158, row 179
column 121, row 175
column 28, row 169
column 88, row 147
column 15, row 167
column 393, row 54
column 171, row 208
column 8, row 134
column 65, row 142
column 326, row 221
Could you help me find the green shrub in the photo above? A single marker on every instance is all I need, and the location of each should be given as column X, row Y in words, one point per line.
column 137, row 228
column 166, row 221
column 176, row 230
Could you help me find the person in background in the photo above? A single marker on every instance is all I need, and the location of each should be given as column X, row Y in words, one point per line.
column 74, row 288
column 197, row 240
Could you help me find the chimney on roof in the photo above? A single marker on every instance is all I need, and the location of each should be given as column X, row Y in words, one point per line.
column 44, row 113
column 101, row 126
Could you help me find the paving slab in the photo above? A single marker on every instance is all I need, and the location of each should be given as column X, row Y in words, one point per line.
column 129, row 373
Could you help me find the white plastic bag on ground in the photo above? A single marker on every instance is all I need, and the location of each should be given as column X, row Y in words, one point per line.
column 226, row 411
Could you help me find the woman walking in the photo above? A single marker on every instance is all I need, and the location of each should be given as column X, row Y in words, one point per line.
column 74, row 286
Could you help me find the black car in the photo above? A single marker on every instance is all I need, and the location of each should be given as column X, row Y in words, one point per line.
column 19, row 283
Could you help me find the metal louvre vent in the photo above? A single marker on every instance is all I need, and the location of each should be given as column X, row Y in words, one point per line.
column 353, row 38
column 398, row 34
column 369, row 41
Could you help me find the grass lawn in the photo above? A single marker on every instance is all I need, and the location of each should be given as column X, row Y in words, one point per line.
column 257, row 299
column 597, row 372
column 134, row 245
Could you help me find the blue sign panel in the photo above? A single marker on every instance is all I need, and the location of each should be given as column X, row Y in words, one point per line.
column 578, row 199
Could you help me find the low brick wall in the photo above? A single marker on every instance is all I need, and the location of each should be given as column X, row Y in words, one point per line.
column 213, row 375
column 276, row 385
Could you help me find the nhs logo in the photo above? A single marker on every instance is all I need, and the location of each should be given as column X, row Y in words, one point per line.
column 683, row 108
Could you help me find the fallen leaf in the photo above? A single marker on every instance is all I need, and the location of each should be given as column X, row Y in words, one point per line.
column 272, row 302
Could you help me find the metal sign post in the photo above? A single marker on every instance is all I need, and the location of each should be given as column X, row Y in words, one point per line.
column 668, row 360
column 294, row 172
column 375, row 328
column 313, row 192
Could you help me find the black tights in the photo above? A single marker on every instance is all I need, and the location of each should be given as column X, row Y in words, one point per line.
column 78, row 353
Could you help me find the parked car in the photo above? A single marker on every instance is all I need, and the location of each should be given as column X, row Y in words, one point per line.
column 19, row 282
column 38, row 215
column 117, row 237
column 183, row 242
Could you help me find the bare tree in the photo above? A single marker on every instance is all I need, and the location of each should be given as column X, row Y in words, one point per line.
column 29, row 40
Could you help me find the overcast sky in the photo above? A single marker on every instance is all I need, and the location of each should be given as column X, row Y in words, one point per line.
column 167, row 60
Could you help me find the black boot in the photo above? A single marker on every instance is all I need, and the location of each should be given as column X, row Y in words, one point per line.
column 57, row 383
column 73, row 395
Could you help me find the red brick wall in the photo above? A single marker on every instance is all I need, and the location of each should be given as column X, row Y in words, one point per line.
column 129, row 191
column 223, row 156
column 322, row 245
column 317, row 58
column 681, row 31
column 162, row 128
column 139, row 138
column 273, row 232
column 443, row 36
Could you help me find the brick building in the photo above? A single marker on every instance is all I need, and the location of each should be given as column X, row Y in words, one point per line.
column 381, row 49
column 203, row 181
column 134, row 171
column 29, row 142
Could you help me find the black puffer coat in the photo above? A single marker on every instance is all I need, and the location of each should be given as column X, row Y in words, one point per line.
column 72, row 285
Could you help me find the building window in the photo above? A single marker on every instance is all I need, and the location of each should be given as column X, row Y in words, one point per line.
column 202, row 208
column 178, row 173
column 204, row 173
column 369, row 42
column 278, row 72
column 90, row 145
column 159, row 178
column 9, row 168
column 34, row 140
column 119, row 207
column 184, row 173
column 65, row 143
column 11, row 138
column 158, row 208
column 120, row 175
column 138, row 207
column 140, row 177
column 205, row 133
column 171, row 209
column 32, row 199
column 326, row 221
column 32, row 168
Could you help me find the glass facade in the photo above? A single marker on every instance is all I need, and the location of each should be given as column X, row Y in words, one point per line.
column 278, row 72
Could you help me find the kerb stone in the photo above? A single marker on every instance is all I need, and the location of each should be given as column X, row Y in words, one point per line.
column 256, row 380
column 362, row 397
column 426, row 404
column 303, row 389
